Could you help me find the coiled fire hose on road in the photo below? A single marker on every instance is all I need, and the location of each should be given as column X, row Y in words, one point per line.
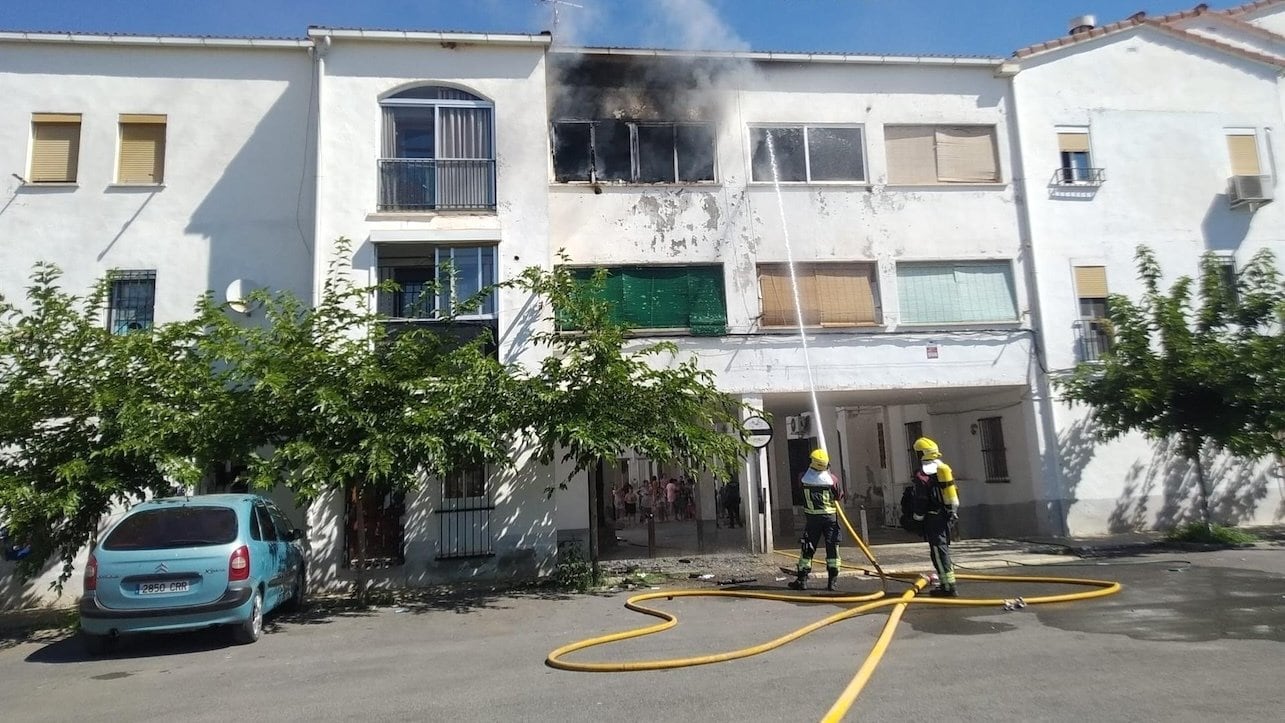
column 862, row 604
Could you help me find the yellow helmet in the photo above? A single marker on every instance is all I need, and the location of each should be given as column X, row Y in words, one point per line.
column 927, row 449
column 820, row 460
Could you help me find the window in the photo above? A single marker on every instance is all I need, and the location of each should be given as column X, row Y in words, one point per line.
column 994, row 459
column 666, row 297
column 1091, row 288
column 914, row 430
column 1242, row 148
column 465, row 514
column 930, row 155
column 1228, row 275
column 434, row 279
column 960, row 292
column 176, row 526
column 55, row 147
column 267, row 531
column 832, row 295
column 438, row 151
column 1076, row 162
column 132, row 302
column 142, row 149
column 804, row 154
column 638, row 152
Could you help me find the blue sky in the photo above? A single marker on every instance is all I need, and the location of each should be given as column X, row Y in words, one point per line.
column 984, row 27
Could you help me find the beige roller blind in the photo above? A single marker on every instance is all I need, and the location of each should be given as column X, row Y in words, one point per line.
column 912, row 159
column 845, row 294
column 1091, row 282
column 1244, row 154
column 778, row 296
column 142, row 152
column 1073, row 142
column 774, row 285
column 55, row 148
column 966, row 154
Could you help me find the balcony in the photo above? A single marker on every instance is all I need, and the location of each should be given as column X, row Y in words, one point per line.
column 1091, row 339
column 419, row 184
column 1078, row 176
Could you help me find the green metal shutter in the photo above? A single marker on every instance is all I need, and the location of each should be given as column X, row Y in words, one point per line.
column 708, row 305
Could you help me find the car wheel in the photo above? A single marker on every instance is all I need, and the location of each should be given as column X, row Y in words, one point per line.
column 251, row 629
column 96, row 645
column 296, row 601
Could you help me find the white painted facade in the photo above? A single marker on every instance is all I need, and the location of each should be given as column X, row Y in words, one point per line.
column 884, row 371
column 1157, row 110
column 235, row 202
column 273, row 152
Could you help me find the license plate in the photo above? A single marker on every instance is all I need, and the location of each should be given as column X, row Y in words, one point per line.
column 154, row 588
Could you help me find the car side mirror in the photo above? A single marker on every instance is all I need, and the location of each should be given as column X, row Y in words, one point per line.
column 295, row 534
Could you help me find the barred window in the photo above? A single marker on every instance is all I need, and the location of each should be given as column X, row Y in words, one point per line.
column 132, row 304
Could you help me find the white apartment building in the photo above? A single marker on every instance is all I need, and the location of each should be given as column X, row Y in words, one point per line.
column 1162, row 132
column 954, row 223
column 897, row 198
column 184, row 164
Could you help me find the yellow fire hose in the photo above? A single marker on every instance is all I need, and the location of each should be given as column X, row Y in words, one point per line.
column 863, row 604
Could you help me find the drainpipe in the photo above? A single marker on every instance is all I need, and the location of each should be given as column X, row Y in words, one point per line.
column 1054, row 486
column 320, row 48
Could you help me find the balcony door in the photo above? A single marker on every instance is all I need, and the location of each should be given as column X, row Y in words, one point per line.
column 438, row 151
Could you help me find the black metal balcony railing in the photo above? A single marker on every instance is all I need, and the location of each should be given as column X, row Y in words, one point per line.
column 1071, row 176
column 436, row 185
column 1092, row 339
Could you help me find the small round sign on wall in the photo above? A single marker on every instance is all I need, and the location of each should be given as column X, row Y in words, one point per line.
column 758, row 432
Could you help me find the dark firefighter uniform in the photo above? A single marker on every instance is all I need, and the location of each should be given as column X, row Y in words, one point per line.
column 937, row 507
column 820, row 497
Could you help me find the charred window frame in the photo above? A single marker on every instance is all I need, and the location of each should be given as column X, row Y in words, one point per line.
column 606, row 151
column 809, row 153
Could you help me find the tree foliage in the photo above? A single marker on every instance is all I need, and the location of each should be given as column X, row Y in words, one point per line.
column 89, row 419
column 1200, row 363
column 323, row 397
column 599, row 394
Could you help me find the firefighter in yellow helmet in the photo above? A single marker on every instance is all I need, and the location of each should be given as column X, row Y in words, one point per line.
column 936, row 507
column 821, row 494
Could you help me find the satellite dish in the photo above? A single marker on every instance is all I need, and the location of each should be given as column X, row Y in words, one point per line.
column 238, row 295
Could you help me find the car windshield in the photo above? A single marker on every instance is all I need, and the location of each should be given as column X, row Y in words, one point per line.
column 174, row 527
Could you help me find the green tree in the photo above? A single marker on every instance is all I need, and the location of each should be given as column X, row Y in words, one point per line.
column 93, row 420
column 1193, row 372
column 350, row 406
column 599, row 393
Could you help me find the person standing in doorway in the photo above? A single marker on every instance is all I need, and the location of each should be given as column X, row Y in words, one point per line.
column 631, row 503
column 821, row 497
column 732, row 503
column 936, row 507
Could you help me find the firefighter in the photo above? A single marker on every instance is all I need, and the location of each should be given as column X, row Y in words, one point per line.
column 937, row 510
column 821, row 494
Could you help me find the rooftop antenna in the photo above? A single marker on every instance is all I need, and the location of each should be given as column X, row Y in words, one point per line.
column 557, row 11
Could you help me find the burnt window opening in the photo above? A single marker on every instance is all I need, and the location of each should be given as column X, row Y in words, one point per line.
column 809, row 154
column 629, row 152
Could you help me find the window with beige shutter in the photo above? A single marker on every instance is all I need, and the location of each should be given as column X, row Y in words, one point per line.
column 55, row 147
column 142, row 149
column 830, row 294
column 966, row 154
column 1243, row 149
column 1092, row 329
column 931, row 155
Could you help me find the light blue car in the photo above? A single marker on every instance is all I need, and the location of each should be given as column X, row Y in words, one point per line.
column 186, row 563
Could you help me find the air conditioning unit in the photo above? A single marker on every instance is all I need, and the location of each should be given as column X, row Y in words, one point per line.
column 799, row 427
column 1252, row 190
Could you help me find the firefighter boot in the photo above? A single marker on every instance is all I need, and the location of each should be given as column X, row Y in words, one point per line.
column 943, row 591
column 834, row 578
column 799, row 583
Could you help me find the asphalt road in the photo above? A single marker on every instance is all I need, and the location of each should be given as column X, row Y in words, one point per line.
column 1183, row 642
